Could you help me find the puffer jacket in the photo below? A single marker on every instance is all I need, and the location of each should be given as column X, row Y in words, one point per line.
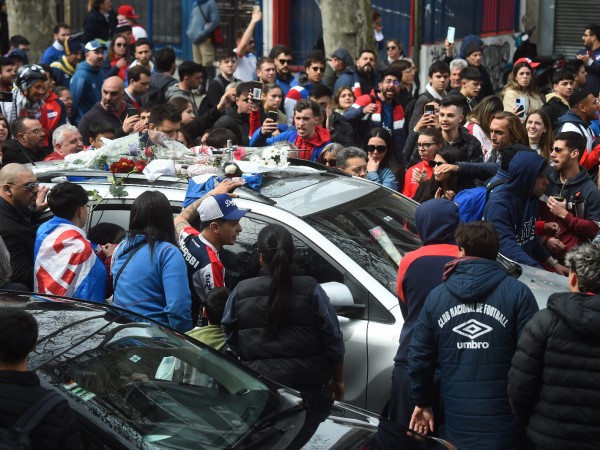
column 470, row 325
column 553, row 381
column 309, row 343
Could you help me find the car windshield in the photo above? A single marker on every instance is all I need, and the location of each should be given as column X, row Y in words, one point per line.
column 154, row 386
column 376, row 231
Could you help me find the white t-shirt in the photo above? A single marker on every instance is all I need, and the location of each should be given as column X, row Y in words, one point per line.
column 246, row 67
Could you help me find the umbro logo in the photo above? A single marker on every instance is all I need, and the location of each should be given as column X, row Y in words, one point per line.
column 472, row 329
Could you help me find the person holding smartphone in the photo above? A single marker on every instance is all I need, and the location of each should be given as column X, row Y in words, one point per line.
column 521, row 95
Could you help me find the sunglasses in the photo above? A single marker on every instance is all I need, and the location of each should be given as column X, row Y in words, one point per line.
column 391, row 48
column 120, row 45
column 379, row 148
column 284, row 62
column 318, row 69
column 29, row 186
column 434, row 163
column 330, row 162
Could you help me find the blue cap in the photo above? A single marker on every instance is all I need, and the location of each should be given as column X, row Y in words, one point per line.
column 220, row 206
column 94, row 45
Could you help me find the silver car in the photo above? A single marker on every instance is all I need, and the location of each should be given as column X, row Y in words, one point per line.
column 350, row 235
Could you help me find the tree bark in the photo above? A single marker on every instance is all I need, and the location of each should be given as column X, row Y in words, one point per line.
column 347, row 24
column 35, row 20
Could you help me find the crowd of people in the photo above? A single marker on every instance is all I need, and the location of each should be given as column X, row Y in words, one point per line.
column 517, row 169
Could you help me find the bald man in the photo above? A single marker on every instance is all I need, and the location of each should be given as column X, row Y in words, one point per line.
column 111, row 109
column 20, row 195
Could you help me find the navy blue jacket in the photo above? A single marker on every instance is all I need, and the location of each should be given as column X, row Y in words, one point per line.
column 421, row 270
column 513, row 211
column 469, row 325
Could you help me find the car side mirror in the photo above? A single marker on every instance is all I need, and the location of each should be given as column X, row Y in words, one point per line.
column 338, row 293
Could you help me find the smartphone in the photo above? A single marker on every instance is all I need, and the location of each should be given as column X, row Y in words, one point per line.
column 6, row 97
column 256, row 91
column 132, row 111
column 273, row 116
column 430, row 109
column 450, row 35
column 256, row 7
column 521, row 103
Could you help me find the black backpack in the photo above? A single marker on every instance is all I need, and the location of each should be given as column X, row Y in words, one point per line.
column 16, row 436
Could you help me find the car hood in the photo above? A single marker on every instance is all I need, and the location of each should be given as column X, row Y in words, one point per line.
column 346, row 427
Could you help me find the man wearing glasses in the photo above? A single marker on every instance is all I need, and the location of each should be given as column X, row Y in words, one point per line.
column 380, row 109
column 20, row 194
column 591, row 57
column 27, row 146
column 283, row 57
column 304, row 83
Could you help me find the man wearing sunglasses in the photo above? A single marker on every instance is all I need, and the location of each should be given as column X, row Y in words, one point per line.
column 304, row 83
column 20, row 194
column 573, row 199
column 27, row 146
column 283, row 57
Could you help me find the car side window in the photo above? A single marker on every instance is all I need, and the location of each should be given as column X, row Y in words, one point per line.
column 241, row 260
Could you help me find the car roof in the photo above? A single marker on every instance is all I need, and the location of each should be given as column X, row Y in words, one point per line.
column 302, row 189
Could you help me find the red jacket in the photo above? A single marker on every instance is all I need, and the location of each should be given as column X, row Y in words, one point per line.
column 54, row 114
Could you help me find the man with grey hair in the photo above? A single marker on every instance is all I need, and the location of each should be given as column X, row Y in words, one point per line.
column 553, row 378
column 20, row 193
column 66, row 139
column 353, row 161
column 456, row 65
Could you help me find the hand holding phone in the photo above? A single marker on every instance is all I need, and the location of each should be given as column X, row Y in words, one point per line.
column 256, row 91
column 131, row 111
column 520, row 106
column 450, row 35
column 273, row 116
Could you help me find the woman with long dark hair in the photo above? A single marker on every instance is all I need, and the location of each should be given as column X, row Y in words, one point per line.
column 441, row 185
column 539, row 133
column 117, row 61
column 382, row 165
column 149, row 272
column 282, row 325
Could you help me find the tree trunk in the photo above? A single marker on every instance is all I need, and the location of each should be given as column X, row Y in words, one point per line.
column 35, row 20
column 347, row 24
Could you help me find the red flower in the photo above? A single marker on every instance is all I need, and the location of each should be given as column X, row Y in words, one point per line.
column 148, row 152
column 123, row 165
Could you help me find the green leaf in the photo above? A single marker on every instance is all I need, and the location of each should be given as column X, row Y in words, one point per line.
column 117, row 191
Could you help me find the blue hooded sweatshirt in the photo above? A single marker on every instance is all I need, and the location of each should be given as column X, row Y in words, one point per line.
column 513, row 210
column 153, row 284
column 86, row 89
column 421, row 270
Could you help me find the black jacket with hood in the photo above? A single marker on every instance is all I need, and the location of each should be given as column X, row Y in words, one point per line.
column 553, row 382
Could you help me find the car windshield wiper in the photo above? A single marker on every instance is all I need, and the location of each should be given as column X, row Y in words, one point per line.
column 265, row 422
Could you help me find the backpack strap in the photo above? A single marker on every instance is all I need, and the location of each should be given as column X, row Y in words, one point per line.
column 491, row 187
column 133, row 252
column 37, row 412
